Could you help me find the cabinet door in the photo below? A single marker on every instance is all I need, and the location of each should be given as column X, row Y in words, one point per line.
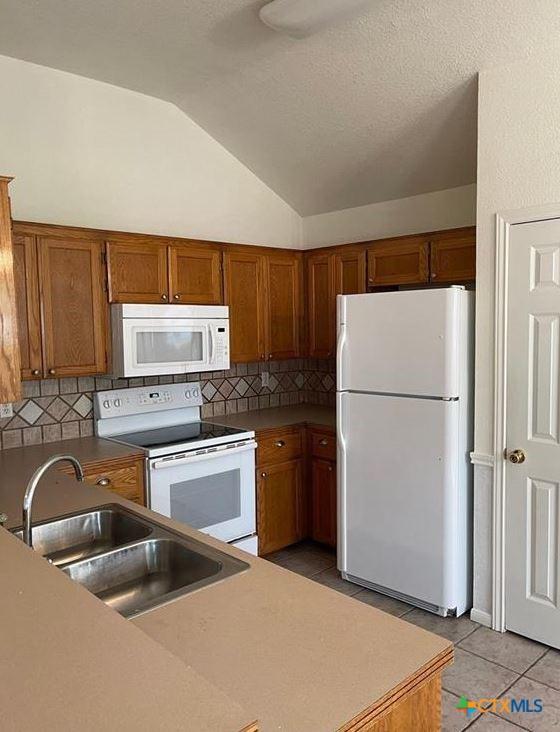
column 123, row 476
column 323, row 501
column 453, row 259
column 397, row 262
column 73, row 302
column 283, row 293
column 195, row 274
column 350, row 273
column 26, row 280
column 320, row 306
column 137, row 272
column 280, row 505
column 244, row 293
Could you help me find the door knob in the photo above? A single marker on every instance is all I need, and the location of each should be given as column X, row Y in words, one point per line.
column 516, row 457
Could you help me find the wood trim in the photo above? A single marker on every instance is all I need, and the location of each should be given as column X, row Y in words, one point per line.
column 10, row 376
column 403, row 692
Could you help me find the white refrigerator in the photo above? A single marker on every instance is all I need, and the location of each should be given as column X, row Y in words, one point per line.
column 404, row 421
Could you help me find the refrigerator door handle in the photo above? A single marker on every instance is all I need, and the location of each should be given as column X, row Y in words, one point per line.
column 341, row 480
column 340, row 343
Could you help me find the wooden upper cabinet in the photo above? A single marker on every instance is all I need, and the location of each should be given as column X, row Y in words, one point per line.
column 26, row 280
column 350, row 272
column 398, row 262
column 453, row 257
column 283, row 293
column 74, row 310
column 10, row 374
column 320, row 307
column 137, row 272
column 243, row 285
column 195, row 274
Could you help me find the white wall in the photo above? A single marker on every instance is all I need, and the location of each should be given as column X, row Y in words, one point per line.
column 446, row 209
column 518, row 166
column 86, row 153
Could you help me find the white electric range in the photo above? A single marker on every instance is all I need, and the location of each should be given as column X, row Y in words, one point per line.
column 199, row 473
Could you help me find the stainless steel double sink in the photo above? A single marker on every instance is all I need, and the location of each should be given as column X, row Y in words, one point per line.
column 130, row 562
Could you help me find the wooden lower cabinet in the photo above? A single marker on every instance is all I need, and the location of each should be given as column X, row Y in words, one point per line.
column 323, row 501
column 123, row 476
column 296, row 487
column 280, row 505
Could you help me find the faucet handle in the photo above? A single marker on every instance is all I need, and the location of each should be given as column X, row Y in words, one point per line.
column 3, row 518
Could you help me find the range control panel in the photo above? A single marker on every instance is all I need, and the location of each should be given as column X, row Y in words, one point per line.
column 143, row 399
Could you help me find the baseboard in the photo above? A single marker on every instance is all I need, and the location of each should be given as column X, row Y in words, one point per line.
column 479, row 616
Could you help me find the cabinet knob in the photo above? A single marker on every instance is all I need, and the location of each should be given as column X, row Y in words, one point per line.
column 164, row 296
column 103, row 481
column 280, row 443
column 434, row 275
column 262, row 356
column 330, row 468
column 35, row 372
column 52, row 371
column 323, row 442
column 177, row 296
column 263, row 475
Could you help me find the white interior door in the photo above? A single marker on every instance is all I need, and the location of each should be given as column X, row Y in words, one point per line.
column 532, row 559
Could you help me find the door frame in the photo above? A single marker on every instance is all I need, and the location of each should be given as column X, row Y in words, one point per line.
column 504, row 221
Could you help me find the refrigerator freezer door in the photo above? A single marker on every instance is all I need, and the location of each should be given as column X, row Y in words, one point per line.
column 398, row 494
column 402, row 342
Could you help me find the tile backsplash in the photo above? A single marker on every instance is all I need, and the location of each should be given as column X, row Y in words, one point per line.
column 59, row 409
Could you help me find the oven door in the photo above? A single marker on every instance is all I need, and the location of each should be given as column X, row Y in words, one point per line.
column 152, row 346
column 213, row 492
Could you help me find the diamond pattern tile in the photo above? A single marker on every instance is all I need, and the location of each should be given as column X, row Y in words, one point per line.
column 31, row 412
column 48, row 405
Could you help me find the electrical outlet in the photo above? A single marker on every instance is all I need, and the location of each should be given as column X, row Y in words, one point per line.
column 265, row 379
column 6, row 410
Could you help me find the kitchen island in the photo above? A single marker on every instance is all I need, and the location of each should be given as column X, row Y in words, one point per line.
column 265, row 646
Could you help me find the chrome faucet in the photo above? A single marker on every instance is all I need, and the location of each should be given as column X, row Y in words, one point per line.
column 32, row 485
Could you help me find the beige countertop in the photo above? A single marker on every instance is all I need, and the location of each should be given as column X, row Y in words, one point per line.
column 264, row 419
column 266, row 644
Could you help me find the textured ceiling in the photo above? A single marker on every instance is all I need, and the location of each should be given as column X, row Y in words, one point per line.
column 381, row 106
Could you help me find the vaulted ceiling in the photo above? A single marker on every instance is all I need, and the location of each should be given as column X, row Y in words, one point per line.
column 380, row 106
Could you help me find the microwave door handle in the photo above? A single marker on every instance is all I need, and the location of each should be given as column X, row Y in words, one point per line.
column 162, row 464
column 211, row 344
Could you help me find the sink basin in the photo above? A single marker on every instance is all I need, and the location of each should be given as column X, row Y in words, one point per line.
column 135, row 578
column 76, row 537
column 129, row 561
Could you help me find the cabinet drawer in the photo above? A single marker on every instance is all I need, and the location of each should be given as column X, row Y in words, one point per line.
column 323, row 444
column 126, row 478
column 278, row 446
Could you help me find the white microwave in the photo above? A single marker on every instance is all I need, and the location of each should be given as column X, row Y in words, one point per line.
column 156, row 340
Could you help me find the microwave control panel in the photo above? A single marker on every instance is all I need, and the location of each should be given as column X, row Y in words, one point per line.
column 124, row 402
column 221, row 357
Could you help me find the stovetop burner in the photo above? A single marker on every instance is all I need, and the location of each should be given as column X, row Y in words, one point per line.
column 182, row 434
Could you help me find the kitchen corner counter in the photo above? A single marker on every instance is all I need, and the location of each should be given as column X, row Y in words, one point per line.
column 265, row 419
column 265, row 644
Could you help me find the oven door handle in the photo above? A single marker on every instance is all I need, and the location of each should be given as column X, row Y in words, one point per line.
column 162, row 464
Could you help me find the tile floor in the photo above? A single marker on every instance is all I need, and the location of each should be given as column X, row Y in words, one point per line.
column 487, row 664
